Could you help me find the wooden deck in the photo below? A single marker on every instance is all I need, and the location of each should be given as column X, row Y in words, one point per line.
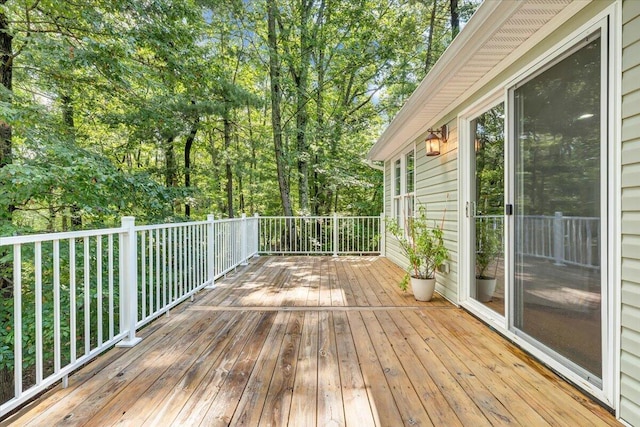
column 315, row 341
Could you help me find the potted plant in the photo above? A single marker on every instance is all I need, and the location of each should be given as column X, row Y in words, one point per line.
column 424, row 247
column 488, row 249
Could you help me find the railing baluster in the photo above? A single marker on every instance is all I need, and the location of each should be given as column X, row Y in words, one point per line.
column 56, row 306
column 120, row 283
column 38, row 307
column 143, row 272
column 99, row 288
column 151, row 283
column 17, row 319
column 72, row 298
column 190, row 245
column 110, row 261
column 158, row 286
column 179, row 260
column 171, row 261
column 164, row 267
column 87, row 296
column 197, row 256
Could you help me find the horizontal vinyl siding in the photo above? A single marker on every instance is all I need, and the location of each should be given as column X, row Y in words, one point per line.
column 437, row 191
column 630, row 275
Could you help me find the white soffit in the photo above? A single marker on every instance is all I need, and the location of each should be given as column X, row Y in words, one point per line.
column 497, row 35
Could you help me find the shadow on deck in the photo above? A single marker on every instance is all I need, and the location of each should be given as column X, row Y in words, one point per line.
column 305, row 341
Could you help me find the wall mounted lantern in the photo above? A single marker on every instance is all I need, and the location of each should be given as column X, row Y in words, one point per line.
column 433, row 141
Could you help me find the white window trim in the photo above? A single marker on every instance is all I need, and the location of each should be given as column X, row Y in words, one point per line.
column 400, row 201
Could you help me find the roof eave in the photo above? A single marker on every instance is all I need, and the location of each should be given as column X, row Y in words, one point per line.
column 488, row 19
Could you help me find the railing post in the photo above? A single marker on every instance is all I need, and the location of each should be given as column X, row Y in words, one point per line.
column 383, row 236
column 335, row 234
column 245, row 237
column 558, row 239
column 129, row 299
column 210, row 252
column 257, row 236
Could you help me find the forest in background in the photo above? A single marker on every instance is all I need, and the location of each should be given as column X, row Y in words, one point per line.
column 171, row 109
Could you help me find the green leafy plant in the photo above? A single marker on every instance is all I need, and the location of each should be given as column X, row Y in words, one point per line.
column 488, row 248
column 423, row 245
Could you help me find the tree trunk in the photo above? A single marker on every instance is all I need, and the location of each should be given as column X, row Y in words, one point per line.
column 170, row 170
column 187, row 162
column 301, row 110
column 318, row 188
column 6, row 79
column 276, row 95
column 67, row 118
column 6, row 213
column 229, row 171
column 455, row 19
column 432, row 27
column 254, row 162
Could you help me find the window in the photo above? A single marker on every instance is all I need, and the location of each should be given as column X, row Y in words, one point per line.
column 397, row 199
column 403, row 187
column 410, row 184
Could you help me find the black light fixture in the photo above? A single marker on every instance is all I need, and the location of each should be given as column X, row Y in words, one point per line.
column 433, row 141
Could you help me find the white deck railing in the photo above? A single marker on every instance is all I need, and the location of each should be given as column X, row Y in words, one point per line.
column 321, row 235
column 564, row 239
column 77, row 294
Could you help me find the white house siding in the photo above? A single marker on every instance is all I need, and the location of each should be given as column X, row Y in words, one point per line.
column 630, row 274
column 437, row 191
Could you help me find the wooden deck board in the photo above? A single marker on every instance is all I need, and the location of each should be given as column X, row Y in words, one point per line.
column 306, row 341
column 220, row 411
column 305, row 388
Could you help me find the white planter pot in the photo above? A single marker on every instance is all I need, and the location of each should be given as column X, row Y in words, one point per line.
column 423, row 288
column 485, row 289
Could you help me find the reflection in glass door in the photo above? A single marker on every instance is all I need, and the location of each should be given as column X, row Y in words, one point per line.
column 487, row 209
column 558, row 210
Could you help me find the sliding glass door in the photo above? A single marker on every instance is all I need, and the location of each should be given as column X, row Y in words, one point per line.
column 559, row 183
column 536, row 194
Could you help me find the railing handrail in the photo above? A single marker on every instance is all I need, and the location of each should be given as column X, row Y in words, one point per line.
column 168, row 225
column 64, row 235
column 320, row 216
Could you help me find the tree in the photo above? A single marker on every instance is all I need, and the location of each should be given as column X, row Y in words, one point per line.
column 455, row 18
column 276, row 99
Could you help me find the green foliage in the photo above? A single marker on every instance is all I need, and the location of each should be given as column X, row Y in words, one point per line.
column 488, row 247
column 28, row 307
column 422, row 244
column 559, row 139
column 489, row 175
column 106, row 94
